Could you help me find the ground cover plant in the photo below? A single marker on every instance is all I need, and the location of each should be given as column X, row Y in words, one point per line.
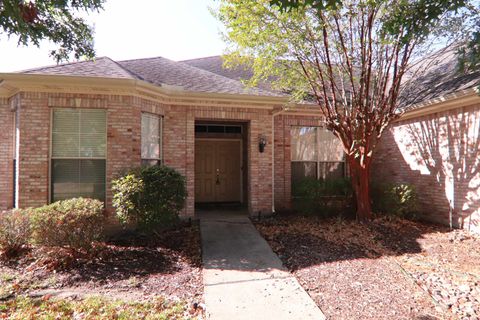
column 24, row 308
column 390, row 268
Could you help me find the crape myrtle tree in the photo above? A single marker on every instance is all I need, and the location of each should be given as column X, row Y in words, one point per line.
column 55, row 20
column 349, row 56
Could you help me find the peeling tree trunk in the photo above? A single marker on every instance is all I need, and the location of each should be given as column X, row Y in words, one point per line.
column 360, row 175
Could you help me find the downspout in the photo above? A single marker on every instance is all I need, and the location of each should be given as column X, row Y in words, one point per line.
column 16, row 173
column 273, row 156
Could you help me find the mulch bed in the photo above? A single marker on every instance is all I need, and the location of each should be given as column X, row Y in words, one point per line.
column 387, row 269
column 131, row 267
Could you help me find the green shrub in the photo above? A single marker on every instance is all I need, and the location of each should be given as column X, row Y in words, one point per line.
column 74, row 223
column 127, row 191
column 15, row 232
column 395, row 199
column 323, row 197
column 149, row 196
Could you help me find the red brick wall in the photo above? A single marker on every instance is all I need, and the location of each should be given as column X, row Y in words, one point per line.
column 34, row 128
column 123, row 138
column 123, row 143
column 175, row 148
column 440, row 155
column 179, row 148
column 6, row 154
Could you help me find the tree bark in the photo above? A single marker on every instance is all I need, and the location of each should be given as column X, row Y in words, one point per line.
column 360, row 176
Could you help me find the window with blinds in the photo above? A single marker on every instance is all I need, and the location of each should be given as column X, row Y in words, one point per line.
column 151, row 139
column 78, row 153
column 316, row 153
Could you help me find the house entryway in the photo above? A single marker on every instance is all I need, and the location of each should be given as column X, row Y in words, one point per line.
column 219, row 164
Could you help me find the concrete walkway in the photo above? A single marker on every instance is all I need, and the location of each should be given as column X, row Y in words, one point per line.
column 242, row 276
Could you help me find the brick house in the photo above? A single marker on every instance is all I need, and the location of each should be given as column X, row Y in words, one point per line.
column 67, row 130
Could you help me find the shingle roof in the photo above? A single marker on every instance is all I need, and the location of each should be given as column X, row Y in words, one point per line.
column 100, row 67
column 215, row 64
column 158, row 71
column 437, row 76
column 164, row 71
column 209, row 75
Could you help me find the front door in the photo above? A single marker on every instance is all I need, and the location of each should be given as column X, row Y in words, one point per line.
column 217, row 170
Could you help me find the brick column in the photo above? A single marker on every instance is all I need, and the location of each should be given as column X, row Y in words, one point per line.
column 34, row 127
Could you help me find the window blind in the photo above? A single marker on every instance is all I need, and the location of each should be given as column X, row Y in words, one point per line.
column 151, row 137
column 78, row 153
column 79, row 133
column 304, row 144
column 330, row 148
column 316, row 153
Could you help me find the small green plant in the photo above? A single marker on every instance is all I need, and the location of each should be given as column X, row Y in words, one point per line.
column 395, row 199
column 150, row 197
column 15, row 232
column 74, row 223
column 323, row 197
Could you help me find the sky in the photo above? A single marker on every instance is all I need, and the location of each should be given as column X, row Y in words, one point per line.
column 126, row 29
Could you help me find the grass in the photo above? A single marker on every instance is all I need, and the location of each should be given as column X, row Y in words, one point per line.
column 7, row 277
column 91, row 308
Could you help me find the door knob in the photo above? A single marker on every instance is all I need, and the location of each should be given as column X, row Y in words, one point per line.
column 217, row 180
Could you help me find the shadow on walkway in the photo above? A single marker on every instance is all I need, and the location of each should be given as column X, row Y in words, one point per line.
column 243, row 278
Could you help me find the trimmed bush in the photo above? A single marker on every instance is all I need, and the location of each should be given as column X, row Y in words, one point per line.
column 127, row 191
column 74, row 223
column 150, row 196
column 322, row 197
column 395, row 199
column 15, row 232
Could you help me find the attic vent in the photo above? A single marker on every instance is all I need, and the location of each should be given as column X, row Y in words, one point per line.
column 215, row 128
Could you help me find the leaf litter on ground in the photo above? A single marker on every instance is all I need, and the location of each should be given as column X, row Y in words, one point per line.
column 386, row 269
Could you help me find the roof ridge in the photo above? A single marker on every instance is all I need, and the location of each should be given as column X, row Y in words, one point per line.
column 147, row 58
column 133, row 74
column 201, row 58
column 62, row 64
